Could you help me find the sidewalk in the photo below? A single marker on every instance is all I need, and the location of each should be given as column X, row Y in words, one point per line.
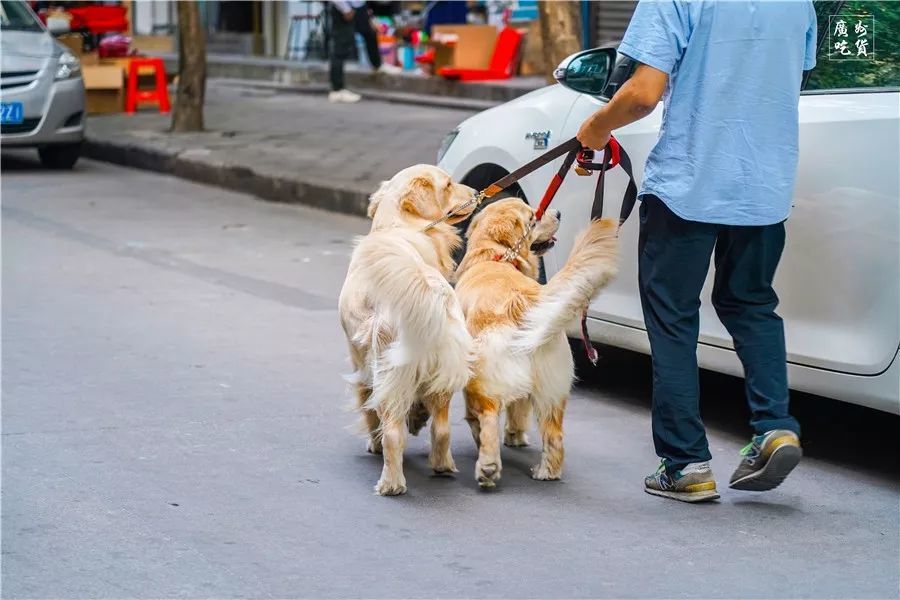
column 280, row 146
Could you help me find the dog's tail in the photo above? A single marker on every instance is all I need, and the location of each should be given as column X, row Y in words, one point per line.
column 590, row 266
column 431, row 347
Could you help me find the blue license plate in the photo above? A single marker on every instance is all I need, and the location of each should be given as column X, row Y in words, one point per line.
column 11, row 113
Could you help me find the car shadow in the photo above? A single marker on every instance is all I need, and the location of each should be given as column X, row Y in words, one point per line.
column 25, row 160
column 856, row 437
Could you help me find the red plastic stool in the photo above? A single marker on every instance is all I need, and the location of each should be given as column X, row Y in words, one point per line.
column 159, row 94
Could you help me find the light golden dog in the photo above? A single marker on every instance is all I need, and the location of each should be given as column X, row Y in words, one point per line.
column 408, row 340
column 523, row 357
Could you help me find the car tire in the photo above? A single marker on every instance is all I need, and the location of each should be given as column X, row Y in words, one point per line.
column 60, row 156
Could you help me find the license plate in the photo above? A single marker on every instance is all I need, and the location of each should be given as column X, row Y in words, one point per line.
column 11, row 113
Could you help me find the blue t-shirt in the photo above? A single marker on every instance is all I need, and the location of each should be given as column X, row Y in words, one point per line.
column 727, row 150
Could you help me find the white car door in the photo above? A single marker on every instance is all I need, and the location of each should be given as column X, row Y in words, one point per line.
column 839, row 278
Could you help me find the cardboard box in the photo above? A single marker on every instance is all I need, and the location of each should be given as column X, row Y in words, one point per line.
column 153, row 45
column 91, row 58
column 72, row 41
column 104, row 88
column 473, row 49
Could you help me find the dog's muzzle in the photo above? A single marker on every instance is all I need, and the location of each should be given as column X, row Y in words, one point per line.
column 541, row 248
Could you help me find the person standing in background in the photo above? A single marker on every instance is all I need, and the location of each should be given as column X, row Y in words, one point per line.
column 720, row 181
column 349, row 17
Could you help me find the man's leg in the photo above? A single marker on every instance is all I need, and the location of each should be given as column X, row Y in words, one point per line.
column 746, row 259
column 673, row 260
column 363, row 23
column 341, row 44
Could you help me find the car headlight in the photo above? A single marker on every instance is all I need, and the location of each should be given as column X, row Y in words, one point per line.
column 445, row 144
column 67, row 66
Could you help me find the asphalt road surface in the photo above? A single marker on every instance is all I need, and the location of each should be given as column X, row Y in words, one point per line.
column 175, row 425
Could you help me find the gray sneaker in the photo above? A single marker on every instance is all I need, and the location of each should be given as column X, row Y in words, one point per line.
column 767, row 460
column 694, row 483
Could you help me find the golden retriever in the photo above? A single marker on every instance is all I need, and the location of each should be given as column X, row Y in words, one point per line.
column 523, row 357
column 407, row 336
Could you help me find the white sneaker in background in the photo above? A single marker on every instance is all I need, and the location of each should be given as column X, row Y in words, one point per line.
column 344, row 95
column 390, row 69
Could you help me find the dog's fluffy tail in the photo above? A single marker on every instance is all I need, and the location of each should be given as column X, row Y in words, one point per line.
column 431, row 350
column 590, row 266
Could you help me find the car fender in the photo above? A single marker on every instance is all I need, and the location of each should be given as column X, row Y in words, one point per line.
column 484, row 139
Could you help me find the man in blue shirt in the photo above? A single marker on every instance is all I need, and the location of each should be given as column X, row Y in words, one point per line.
column 719, row 180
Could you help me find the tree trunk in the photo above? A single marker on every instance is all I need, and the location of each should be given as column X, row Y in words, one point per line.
column 560, row 22
column 188, row 112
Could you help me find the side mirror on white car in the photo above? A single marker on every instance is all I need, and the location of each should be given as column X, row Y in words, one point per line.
column 588, row 71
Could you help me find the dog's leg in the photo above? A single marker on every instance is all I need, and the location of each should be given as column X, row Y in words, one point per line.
column 393, row 438
column 370, row 420
column 550, row 420
column 440, row 459
column 488, row 466
column 472, row 419
column 517, row 415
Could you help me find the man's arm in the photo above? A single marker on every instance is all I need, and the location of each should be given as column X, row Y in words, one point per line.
column 632, row 102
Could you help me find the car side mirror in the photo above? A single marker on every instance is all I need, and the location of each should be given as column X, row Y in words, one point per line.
column 587, row 72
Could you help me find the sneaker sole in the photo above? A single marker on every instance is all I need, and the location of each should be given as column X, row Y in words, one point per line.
column 778, row 467
column 690, row 497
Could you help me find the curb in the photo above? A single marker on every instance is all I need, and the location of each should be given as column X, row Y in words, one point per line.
column 297, row 73
column 368, row 93
column 236, row 178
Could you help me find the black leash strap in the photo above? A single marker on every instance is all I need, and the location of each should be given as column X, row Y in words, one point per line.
column 501, row 184
column 613, row 151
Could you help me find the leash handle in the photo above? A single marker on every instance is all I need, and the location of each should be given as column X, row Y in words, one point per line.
column 586, row 155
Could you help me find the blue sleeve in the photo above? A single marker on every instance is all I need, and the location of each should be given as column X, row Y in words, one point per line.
column 811, row 39
column 658, row 34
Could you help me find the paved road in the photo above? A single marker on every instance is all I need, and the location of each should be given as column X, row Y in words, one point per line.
column 174, row 425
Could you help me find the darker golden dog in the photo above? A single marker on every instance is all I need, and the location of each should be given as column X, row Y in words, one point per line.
column 523, row 357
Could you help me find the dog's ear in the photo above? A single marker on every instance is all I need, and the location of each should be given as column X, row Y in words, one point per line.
column 419, row 198
column 375, row 199
column 504, row 229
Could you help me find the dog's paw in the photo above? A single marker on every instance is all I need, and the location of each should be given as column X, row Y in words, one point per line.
column 444, row 465
column 515, row 439
column 373, row 446
column 390, row 488
column 544, row 473
column 487, row 473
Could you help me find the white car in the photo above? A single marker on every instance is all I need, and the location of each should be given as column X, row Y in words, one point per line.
column 839, row 278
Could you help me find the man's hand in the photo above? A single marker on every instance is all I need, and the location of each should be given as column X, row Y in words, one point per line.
column 634, row 100
column 592, row 134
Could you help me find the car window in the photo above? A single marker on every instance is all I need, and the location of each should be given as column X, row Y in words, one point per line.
column 859, row 45
column 15, row 16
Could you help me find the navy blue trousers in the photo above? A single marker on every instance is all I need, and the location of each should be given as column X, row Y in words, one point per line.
column 673, row 261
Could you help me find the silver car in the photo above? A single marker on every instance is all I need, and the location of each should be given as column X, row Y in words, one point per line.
column 41, row 89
